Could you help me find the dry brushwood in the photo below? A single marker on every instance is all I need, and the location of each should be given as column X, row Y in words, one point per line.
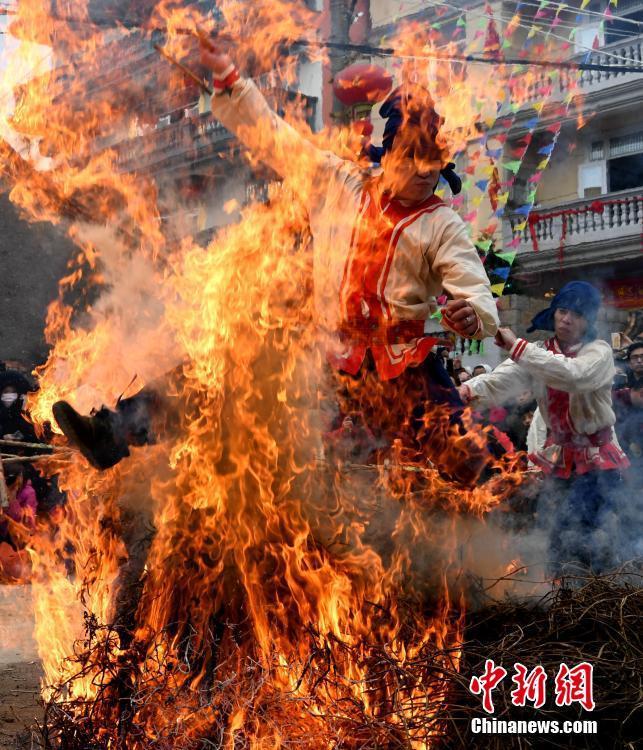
column 421, row 698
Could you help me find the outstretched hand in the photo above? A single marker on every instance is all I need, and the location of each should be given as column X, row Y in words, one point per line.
column 465, row 393
column 214, row 57
column 505, row 338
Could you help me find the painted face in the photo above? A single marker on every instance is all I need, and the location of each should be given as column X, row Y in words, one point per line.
column 569, row 326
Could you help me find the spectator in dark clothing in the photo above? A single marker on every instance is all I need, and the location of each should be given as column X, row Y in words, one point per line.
column 628, row 400
column 518, row 421
column 14, row 386
column 635, row 362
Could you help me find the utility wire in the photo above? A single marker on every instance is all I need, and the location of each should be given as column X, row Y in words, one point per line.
column 590, row 13
column 368, row 49
column 562, row 7
column 549, row 33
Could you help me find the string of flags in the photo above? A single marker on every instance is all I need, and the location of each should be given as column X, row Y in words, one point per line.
column 494, row 162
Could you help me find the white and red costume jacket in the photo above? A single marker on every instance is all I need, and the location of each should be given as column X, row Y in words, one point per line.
column 574, row 394
column 377, row 264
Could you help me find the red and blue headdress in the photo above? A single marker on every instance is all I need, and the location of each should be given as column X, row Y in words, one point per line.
column 401, row 110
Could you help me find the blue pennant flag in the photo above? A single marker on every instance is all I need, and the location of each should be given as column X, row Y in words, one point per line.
column 546, row 150
column 500, row 212
column 523, row 210
column 502, row 272
column 494, row 153
column 482, row 185
column 531, row 123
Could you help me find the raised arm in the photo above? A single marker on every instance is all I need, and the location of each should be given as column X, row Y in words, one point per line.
column 241, row 108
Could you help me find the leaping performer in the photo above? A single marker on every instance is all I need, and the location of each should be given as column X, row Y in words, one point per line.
column 384, row 247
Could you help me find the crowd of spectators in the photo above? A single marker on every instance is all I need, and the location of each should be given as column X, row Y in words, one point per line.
column 27, row 495
column 628, row 401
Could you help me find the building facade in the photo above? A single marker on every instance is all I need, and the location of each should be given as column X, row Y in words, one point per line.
column 573, row 142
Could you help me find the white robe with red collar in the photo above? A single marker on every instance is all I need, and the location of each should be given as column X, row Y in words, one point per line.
column 574, row 394
column 377, row 264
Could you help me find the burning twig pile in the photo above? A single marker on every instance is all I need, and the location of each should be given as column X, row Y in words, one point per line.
column 596, row 620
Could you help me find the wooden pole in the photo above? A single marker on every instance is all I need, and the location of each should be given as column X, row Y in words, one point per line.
column 21, row 444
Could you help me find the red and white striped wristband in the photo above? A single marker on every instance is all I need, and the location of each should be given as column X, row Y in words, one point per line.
column 227, row 79
column 518, row 349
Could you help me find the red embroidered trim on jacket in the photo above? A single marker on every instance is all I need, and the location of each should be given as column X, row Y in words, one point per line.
column 567, row 451
column 517, row 349
column 368, row 317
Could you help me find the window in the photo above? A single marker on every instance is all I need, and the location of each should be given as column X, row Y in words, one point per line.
column 625, row 165
column 626, row 172
column 626, row 144
column 625, row 27
column 596, row 151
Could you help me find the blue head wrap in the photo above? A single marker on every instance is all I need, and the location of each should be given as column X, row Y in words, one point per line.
column 391, row 111
column 579, row 296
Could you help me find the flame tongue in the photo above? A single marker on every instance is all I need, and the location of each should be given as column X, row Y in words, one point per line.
column 256, row 598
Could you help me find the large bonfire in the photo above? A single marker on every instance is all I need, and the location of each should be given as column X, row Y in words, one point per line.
column 230, row 587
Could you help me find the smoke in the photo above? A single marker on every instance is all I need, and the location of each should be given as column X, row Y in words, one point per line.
column 126, row 325
column 513, row 552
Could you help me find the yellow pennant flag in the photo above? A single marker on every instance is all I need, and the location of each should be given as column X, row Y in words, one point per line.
column 584, row 4
column 498, row 288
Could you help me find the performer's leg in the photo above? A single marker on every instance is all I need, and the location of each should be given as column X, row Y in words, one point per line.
column 582, row 530
column 104, row 436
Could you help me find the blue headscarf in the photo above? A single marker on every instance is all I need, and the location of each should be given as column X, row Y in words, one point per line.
column 391, row 111
column 579, row 296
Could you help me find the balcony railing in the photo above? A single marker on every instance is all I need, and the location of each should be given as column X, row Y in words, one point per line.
column 612, row 218
column 554, row 86
column 187, row 135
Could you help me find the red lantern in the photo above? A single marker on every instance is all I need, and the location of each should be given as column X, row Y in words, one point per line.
column 361, row 85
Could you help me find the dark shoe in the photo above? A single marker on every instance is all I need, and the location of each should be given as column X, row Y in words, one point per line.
column 99, row 437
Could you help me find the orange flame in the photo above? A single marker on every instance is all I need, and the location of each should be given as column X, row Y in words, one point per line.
column 275, row 600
